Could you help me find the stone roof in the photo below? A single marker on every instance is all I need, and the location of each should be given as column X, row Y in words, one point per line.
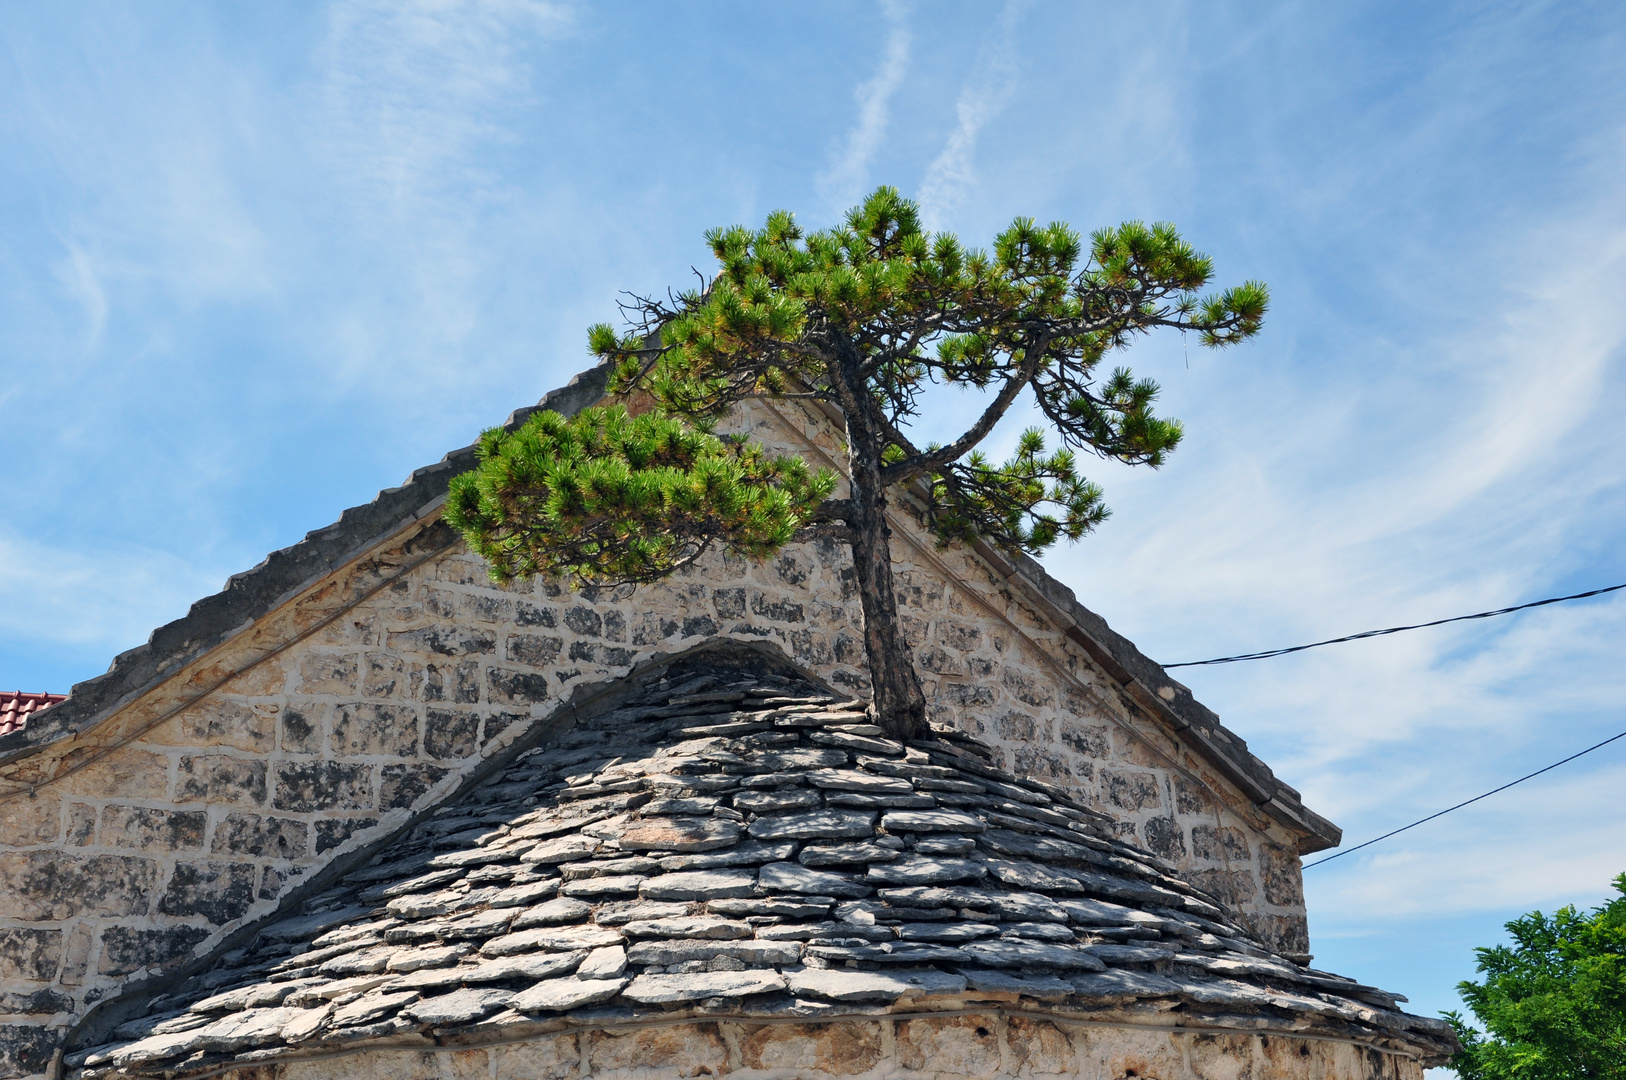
column 16, row 707
column 722, row 836
column 285, row 573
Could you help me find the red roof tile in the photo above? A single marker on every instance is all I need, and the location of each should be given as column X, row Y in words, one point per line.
column 16, row 707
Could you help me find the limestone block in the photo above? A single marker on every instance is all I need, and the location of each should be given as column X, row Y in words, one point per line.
column 368, row 729
column 845, row 1049
column 401, row 786
column 28, row 821
column 254, row 834
column 59, row 885
column 1040, row 1048
column 542, row 1058
column 220, row 778
column 450, row 733
column 81, row 831
column 305, row 787
column 29, row 954
column 125, row 773
column 1130, row 789
column 1222, row 1057
column 1282, row 874
column 684, row 1051
column 147, row 829
column 966, row 1046
column 220, row 892
column 127, row 949
column 1218, row 843
column 301, row 728
column 26, row 1049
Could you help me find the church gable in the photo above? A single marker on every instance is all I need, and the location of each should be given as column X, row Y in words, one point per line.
column 362, row 676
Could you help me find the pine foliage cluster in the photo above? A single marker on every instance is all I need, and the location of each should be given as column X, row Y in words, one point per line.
column 1040, row 309
column 606, row 498
column 1553, row 1004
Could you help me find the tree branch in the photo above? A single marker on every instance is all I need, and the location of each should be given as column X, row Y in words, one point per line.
column 914, row 466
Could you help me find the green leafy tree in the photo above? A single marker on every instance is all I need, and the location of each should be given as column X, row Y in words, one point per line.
column 1553, row 1004
column 864, row 318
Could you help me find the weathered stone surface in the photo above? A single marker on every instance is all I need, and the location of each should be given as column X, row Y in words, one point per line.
column 668, row 989
column 401, row 786
column 368, row 1008
column 848, row 1049
column 527, row 966
column 55, row 885
column 126, row 949
column 1129, row 954
column 700, row 885
column 597, row 888
column 220, row 778
column 706, row 927
column 854, row 854
column 524, row 895
column 1119, row 983
column 817, row 825
column 800, row 907
column 562, row 995
column 260, row 834
column 553, row 913
column 691, row 1050
column 751, row 953
column 309, row 786
column 778, row 799
column 794, row 878
column 926, row 870
column 931, row 821
column 606, row 963
column 562, row 849
column 1042, row 987
column 951, row 1045
column 749, row 853
column 945, row 931
column 218, row 891
column 858, row 780
column 29, row 954
column 417, row 959
column 24, row 822
column 1031, row 954
column 551, row 940
column 683, row 834
column 842, row 985
column 458, row 1007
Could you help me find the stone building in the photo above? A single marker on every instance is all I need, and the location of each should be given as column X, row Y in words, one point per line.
column 364, row 805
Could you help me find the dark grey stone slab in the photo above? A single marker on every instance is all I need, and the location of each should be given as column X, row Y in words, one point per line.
column 887, row 986
column 1004, row 953
column 817, row 825
column 795, row 878
column 670, row 989
column 700, row 885
column 926, row 870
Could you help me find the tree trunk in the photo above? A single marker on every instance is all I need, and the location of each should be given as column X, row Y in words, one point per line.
column 898, row 705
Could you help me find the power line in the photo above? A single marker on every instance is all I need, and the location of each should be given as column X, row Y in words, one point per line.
column 1394, row 630
column 1475, row 799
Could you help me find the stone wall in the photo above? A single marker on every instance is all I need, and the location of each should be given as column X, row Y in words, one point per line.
column 130, row 848
column 986, row 1046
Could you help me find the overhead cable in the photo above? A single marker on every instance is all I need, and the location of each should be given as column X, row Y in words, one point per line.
column 1394, row 629
column 1460, row 805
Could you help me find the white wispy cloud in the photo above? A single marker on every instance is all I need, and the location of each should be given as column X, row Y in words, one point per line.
column 414, row 96
column 93, row 595
column 952, row 173
column 847, row 179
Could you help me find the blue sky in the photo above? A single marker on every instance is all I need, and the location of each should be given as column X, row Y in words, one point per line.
column 257, row 263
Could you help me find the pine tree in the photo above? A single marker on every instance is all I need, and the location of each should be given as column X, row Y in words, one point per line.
column 866, row 317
